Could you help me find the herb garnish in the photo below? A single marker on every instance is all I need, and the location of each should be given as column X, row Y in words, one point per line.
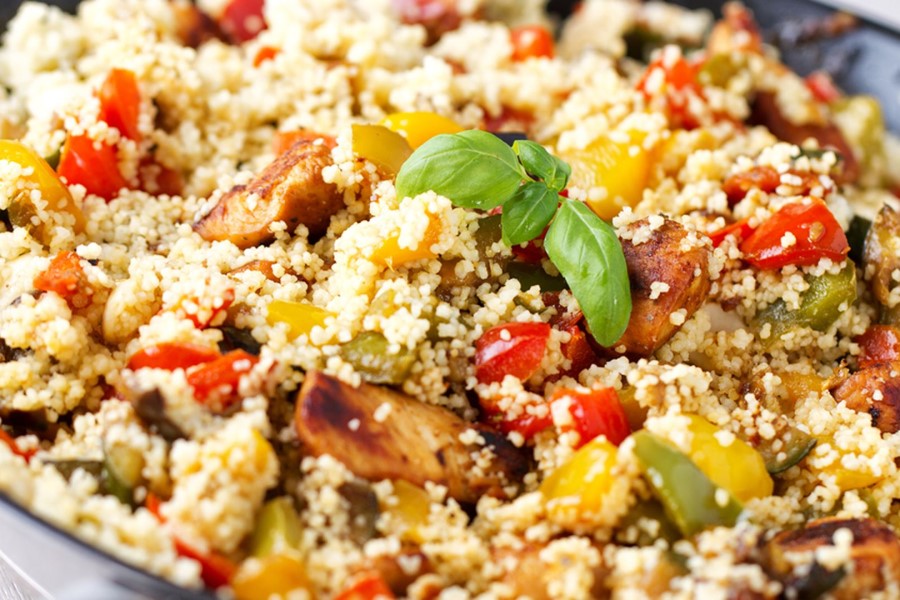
column 476, row 169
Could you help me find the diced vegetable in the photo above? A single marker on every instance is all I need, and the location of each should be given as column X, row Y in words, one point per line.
column 369, row 354
column 66, row 278
column 171, row 356
column 216, row 382
column 827, row 297
column 301, row 317
column 649, row 510
column 801, row 233
column 787, row 449
column 881, row 256
column 879, row 344
column 392, row 255
column 741, row 230
column 216, row 570
column 234, row 338
column 822, row 87
column 264, row 54
column 763, row 177
column 576, row 490
column 670, row 85
column 275, row 576
column 410, row 511
column 530, row 275
column 436, row 16
column 57, row 196
column 382, row 147
column 122, row 468
column 278, row 529
column 856, row 233
column 591, row 414
column 511, row 349
column 692, row 501
column 94, row 165
column 242, row 20
column 531, row 41
column 419, row 127
column 635, row 414
column 367, row 585
column 578, row 351
column 862, row 123
column 735, row 466
column 120, row 103
column 621, row 165
column 203, row 312
column 10, row 442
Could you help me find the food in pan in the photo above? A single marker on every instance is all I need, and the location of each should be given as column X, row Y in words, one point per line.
column 445, row 299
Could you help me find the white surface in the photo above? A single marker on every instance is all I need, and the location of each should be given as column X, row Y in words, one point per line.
column 884, row 12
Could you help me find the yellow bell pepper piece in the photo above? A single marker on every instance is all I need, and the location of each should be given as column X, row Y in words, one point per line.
column 379, row 145
column 577, row 489
column 419, row 127
column 53, row 190
column 621, row 167
column 848, row 479
column 737, row 467
column 301, row 317
column 274, row 576
column 411, row 510
column 390, row 254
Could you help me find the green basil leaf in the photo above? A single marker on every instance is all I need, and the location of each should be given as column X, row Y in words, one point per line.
column 589, row 256
column 474, row 169
column 527, row 213
column 542, row 165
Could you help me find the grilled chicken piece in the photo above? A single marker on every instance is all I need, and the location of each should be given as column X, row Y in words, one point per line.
column 661, row 259
column 767, row 112
column 413, row 441
column 881, row 255
column 859, row 389
column 875, row 555
column 291, row 189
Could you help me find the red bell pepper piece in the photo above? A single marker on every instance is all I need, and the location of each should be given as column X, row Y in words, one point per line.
column 763, row 177
column 511, row 349
column 93, row 165
column 740, row 229
column 201, row 315
column 822, row 87
column 171, row 356
column 265, row 53
column 878, row 345
column 593, row 413
column 799, row 234
column 531, row 41
column 670, row 82
column 578, row 350
column 242, row 20
column 10, row 441
column 66, row 277
column 216, row 382
column 120, row 103
column 367, row 585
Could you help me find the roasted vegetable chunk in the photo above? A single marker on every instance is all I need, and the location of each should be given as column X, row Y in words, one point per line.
column 875, row 557
column 682, row 283
column 767, row 112
column 881, row 255
column 875, row 390
column 381, row 434
column 291, row 189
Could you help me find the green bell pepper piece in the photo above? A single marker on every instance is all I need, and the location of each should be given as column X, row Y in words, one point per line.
column 688, row 496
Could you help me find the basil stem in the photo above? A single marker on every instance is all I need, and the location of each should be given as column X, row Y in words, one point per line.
column 542, row 165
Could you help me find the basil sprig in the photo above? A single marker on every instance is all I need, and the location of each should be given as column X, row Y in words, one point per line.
column 475, row 169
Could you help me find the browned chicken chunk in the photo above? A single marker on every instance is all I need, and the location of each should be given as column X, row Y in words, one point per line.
column 875, row 557
column 381, row 434
column 662, row 260
column 875, row 390
column 291, row 189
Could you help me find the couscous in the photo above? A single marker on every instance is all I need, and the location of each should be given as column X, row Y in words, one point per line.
column 448, row 299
